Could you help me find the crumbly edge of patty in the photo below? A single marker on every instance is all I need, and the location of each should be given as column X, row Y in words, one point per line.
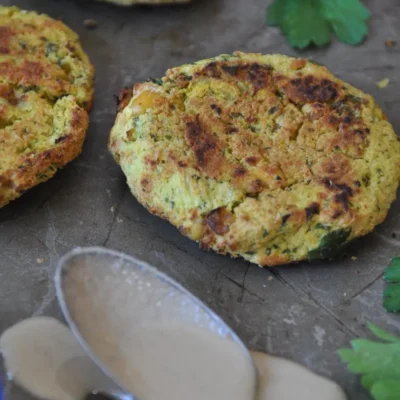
column 162, row 208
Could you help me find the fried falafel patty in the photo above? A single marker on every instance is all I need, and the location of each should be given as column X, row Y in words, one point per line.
column 267, row 157
column 46, row 91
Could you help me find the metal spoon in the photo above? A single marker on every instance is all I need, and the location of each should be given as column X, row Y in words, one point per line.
column 151, row 294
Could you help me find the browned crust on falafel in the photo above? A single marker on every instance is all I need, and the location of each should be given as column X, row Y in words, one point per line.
column 266, row 157
column 40, row 167
column 46, row 91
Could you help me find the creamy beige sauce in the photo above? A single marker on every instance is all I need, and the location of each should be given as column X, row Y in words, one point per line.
column 177, row 362
column 159, row 362
column 281, row 379
column 152, row 338
column 43, row 357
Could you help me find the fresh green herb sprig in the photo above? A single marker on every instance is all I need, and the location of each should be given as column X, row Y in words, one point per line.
column 307, row 22
column 391, row 295
column 378, row 362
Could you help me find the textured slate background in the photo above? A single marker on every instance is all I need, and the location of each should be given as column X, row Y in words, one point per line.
column 301, row 312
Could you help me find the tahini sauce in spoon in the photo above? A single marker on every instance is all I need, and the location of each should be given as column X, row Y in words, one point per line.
column 43, row 357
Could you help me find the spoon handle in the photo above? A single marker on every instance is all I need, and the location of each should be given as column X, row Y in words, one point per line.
column 100, row 395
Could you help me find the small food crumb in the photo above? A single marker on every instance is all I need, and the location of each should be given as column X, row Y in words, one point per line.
column 390, row 43
column 39, row 260
column 298, row 64
column 90, row 24
column 270, row 278
column 354, row 258
column 120, row 220
column 383, row 83
column 112, row 209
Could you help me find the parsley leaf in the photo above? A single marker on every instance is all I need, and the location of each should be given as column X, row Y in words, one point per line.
column 381, row 334
column 306, row 22
column 276, row 12
column 378, row 362
column 391, row 298
column 386, row 390
column 391, row 295
column 330, row 245
column 348, row 19
column 392, row 272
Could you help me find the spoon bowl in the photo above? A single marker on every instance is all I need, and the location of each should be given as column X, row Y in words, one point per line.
column 107, row 297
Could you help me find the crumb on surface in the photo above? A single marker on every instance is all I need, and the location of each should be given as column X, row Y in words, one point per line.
column 90, row 24
column 390, row 43
column 383, row 83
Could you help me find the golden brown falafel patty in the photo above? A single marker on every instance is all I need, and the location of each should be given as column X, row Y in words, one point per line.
column 46, row 91
column 269, row 157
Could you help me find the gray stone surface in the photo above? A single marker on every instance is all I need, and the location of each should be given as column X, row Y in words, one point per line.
column 303, row 312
